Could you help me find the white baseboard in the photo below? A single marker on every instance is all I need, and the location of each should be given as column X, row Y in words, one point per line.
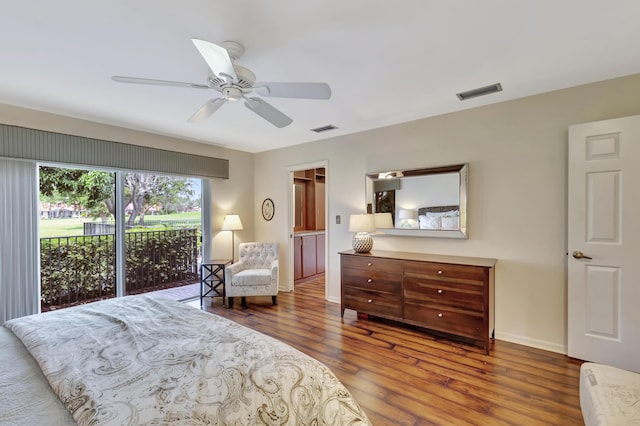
column 540, row 344
column 514, row 338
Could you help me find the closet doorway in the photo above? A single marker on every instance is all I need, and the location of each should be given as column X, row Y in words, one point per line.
column 308, row 223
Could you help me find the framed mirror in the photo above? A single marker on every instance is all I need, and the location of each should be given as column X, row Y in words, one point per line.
column 428, row 202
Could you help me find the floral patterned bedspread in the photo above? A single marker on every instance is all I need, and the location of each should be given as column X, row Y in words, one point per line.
column 145, row 360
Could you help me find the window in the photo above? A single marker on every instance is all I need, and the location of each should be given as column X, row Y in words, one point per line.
column 161, row 218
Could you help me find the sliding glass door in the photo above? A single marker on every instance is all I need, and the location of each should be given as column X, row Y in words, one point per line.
column 77, row 236
column 157, row 241
column 163, row 233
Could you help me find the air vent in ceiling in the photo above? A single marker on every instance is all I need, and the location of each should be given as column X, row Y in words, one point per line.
column 324, row 128
column 481, row 91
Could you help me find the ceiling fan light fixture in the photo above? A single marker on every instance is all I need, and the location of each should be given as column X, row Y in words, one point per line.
column 232, row 93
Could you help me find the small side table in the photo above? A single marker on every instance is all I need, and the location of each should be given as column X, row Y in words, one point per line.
column 212, row 277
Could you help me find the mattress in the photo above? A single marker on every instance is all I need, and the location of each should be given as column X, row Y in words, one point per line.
column 609, row 395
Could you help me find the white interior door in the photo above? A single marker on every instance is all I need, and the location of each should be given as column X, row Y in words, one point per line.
column 604, row 242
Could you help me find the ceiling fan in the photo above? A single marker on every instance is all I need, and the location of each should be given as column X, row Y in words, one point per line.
column 235, row 82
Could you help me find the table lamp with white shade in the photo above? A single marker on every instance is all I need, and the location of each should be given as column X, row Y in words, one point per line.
column 362, row 225
column 383, row 220
column 405, row 217
column 232, row 223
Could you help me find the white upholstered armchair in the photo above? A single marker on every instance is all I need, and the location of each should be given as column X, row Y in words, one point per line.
column 255, row 273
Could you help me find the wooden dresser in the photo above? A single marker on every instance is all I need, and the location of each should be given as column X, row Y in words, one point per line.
column 447, row 294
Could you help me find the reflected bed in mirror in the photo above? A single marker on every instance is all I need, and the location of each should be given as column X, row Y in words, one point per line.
column 428, row 202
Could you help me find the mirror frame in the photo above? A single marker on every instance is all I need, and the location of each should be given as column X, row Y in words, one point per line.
column 461, row 169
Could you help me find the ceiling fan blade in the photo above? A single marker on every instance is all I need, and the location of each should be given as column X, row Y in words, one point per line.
column 217, row 58
column 136, row 80
column 294, row 90
column 268, row 112
column 207, row 110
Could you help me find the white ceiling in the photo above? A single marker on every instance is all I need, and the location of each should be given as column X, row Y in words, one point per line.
column 386, row 62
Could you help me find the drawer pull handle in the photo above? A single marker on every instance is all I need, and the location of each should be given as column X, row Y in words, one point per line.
column 440, row 272
column 369, row 280
column 370, row 301
column 440, row 315
column 369, row 264
column 440, row 291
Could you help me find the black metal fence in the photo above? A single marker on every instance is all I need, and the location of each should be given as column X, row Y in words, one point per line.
column 76, row 269
column 80, row 269
column 160, row 257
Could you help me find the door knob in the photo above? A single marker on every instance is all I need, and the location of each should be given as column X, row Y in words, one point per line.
column 579, row 255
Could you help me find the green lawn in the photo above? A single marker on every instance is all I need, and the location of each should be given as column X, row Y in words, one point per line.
column 72, row 226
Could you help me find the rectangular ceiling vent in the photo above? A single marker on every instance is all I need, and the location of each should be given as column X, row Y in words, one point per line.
column 324, row 128
column 481, row 91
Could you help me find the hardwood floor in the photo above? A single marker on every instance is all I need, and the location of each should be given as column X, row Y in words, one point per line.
column 406, row 377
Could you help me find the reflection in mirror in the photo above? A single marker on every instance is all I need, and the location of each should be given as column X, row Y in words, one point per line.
column 429, row 202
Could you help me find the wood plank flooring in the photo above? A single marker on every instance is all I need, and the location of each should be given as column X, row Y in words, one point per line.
column 406, row 377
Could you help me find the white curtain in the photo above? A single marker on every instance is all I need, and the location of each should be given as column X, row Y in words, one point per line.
column 19, row 245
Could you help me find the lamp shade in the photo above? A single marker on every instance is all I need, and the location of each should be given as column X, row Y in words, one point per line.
column 407, row 214
column 232, row 223
column 383, row 220
column 361, row 223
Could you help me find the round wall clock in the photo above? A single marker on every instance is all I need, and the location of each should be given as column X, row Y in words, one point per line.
column 268, row 209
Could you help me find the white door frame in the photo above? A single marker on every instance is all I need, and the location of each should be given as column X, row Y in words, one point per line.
column 290, row 220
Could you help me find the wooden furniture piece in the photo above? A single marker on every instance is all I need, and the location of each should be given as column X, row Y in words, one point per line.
column 445, row 294
column 309, row 193
column 308, row 255
column 212, row 277
column 309, row 223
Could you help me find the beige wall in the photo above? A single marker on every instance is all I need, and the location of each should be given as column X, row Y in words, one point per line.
column 229, row 195
column 517, row 152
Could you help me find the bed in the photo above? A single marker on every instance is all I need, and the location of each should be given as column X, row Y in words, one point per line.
column 609, row 395
column 439, row 217
column 147, row 360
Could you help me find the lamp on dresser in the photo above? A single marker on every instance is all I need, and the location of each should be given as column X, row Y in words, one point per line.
column 232, row 223
column 406, row 216
column 383, row 220
column 362, row 225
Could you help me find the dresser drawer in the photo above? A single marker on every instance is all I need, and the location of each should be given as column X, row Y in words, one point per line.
column 420, row 290
column 369, row 263
column 454, row 273
column 447, row 321
column 371, row 302
column 372, row 280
